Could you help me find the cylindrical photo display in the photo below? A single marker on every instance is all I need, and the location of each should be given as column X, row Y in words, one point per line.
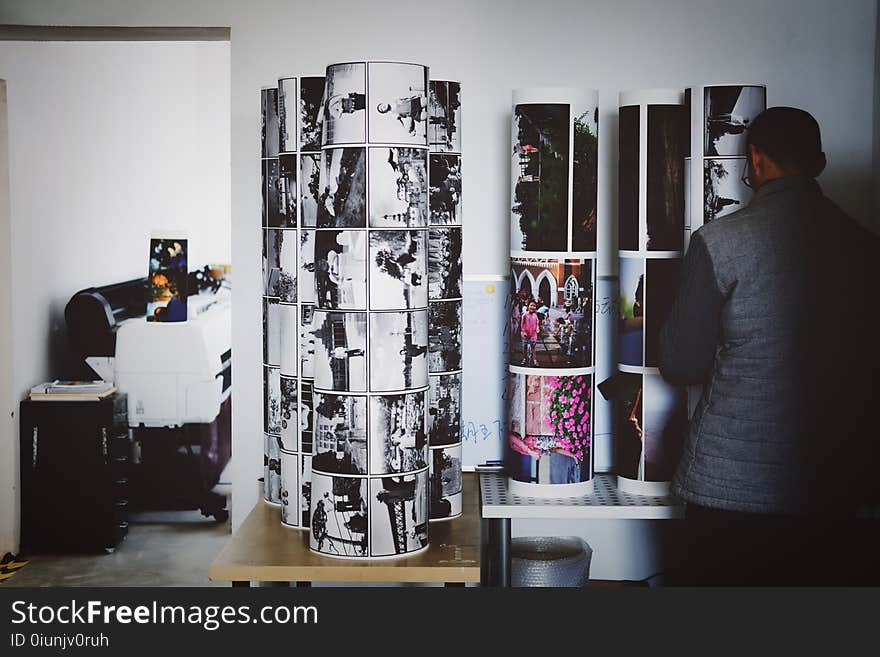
column 553, row 227
column 653, row 135
column 716, row 166
column 444, row 298
column 290, row 123
column 368, row 261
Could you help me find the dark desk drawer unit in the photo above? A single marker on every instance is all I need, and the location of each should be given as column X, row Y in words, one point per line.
column 74, row 475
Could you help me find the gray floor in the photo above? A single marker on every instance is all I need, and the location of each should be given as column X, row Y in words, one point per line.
column 169, row 548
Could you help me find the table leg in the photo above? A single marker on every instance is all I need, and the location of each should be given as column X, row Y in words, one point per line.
column 495, row 552
column 303, row 585
column 454, row 585
column 238, row 584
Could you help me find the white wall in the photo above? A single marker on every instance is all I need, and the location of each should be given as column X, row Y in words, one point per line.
column 107, row 141
column 814, row 54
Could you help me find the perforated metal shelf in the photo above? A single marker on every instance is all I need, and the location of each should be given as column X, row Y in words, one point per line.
column 606, row 501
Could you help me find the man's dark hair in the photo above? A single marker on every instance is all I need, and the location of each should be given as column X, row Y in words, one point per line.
column 790, row 137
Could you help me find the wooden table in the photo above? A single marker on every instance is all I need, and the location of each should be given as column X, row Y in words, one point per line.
column 264, row 550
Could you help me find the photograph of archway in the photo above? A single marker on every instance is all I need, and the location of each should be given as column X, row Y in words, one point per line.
column 551, row 313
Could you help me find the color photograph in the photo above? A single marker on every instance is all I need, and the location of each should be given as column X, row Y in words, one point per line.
column 666, row 425
column 628, row 179
column 667, row 125
column 630, row 426
column 585, row 178
column 632, row 311
column 661, row 286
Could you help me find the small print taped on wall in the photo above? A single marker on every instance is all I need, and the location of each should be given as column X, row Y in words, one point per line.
column 167, row 280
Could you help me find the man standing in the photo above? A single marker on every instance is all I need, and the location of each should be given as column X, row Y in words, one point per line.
column 528, row 331
column 769, row 320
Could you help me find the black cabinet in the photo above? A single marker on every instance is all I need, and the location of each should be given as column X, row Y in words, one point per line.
column 74, row 475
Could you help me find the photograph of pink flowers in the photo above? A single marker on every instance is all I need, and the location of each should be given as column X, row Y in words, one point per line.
column 551, row 427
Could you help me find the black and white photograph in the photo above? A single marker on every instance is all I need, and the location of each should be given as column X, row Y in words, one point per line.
column 445, row 482
column 540, row 176
column 289, row 360
column 306, row 271
column 311, row 95
column 398, row 269
column 444, row 116
column 310, row 188
column 398, row 348
column 551, row 313
column 272, row 400
column 585, row 177
column 661, row 285
column 340, row 342
column 398, row 440
column 306, row 417
column 281, row 252
column 340, row 269
column 340, row 434
column 272, row 469
column 666, row 423
column 444, row 410
column 729, row 111
column 287, row 110
column 344, row 113
column 289, row 414
column 290, row 470
column 269, row 128
column 398, row 103
column 444, row 263
column 305, row 499
column 667, row 125
column 287, row 170
column 398, row 187
column 272, row 194
column 444, row 336
column 399, row 514
column 724, row 191
column 445, row 179
column 271, row 332
column 628, row 178
column 307, row 342
column 342, row 202
column 339, row 516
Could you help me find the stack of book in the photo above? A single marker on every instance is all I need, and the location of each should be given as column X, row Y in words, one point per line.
column 72, row 390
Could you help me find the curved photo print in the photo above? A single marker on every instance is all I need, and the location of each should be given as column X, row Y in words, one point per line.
column 287, row 109
column 272, row 469
column 342, row 201
column 724, row 188
column 540, row 165
column 288, row 167
column 729, row 111
column 444, row 116
column 628, row 178
column 305, row 499
column 629, row 393
column 288, row 340
column 272, row 196
column 444, row 336
column 340, row 434
column 310, row 188
column 444, row 263
column 306, row 417
column 398, row 187
column 551, row 428
column 551, row 313
column 281, row 267
column 445, row 190
column 289, row 414
column 344, row 119
column 311, row 95
column 399, row 514
column 445, row 482
column 272, row 400
column 339, row 341
column 270, row 128
column 398, row 351
column 632, row 311
column 271, row 332
column 398, row 441
column 398, row 103
column 444, row 410
column 661, row 285
column 340, row 269
column 339, row 516
column 585, row 178
column 666, row 424
column 290, row 469
column 307, row 342
column 398, row 269
column 667, row 125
